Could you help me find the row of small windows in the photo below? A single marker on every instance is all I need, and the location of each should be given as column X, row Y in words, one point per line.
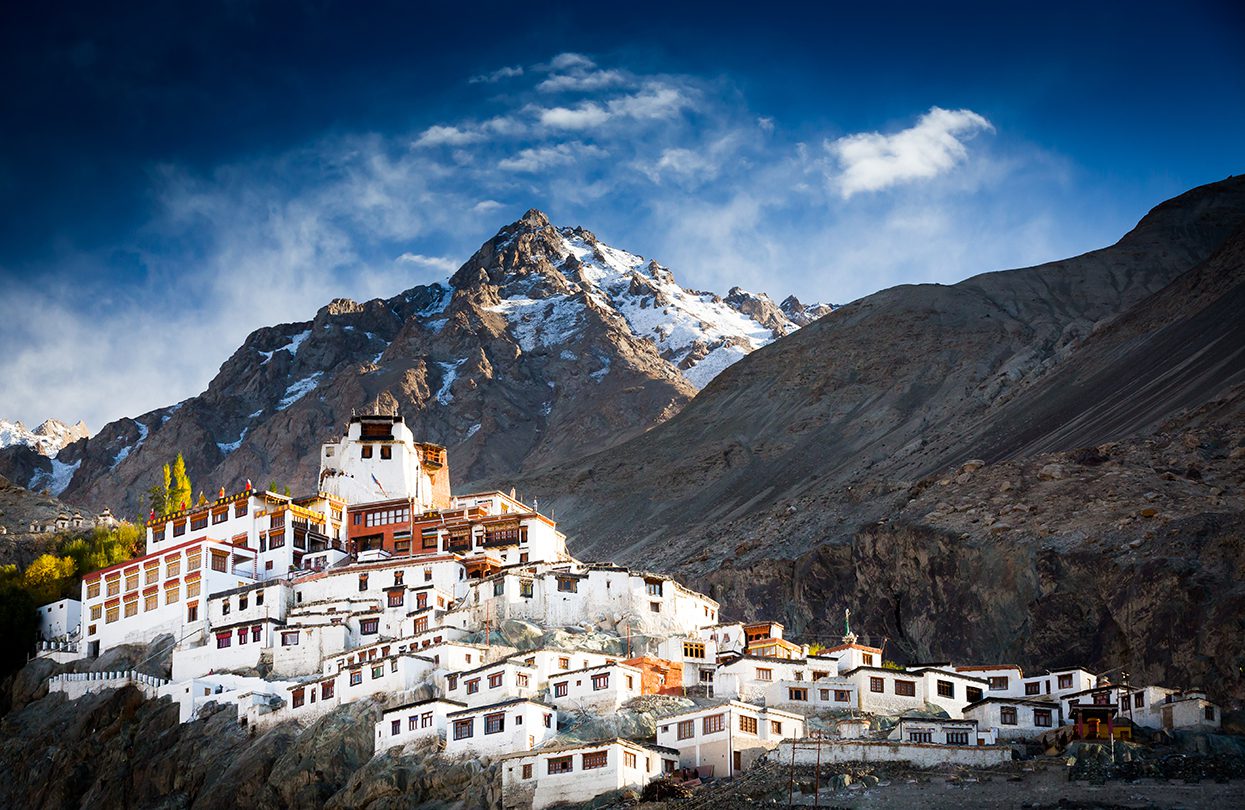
column 386, row 451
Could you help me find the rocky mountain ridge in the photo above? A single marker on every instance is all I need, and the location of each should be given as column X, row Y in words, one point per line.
column 545, row 345
column 969, row 466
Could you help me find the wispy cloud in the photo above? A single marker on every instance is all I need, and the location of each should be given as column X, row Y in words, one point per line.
column 433, row 262
column 440, row 135
column 582, row 81
column 512, row 72
column 546, row 157
column 871, row 161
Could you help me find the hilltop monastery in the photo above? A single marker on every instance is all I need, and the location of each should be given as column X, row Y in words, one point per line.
column 466, row 617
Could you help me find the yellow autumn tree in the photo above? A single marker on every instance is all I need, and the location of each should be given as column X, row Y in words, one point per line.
column 46, row 577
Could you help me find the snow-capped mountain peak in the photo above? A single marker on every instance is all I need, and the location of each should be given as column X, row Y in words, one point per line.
column 545, row 275
column 47, row 439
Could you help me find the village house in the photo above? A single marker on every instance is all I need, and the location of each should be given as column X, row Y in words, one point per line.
column 726, row 739
column 600, row 689
column 500, row 728
column 493, row 683
column 576, row 772
column 60, row 620
column 419, row 720
column 1014, row 718
column 939, row 731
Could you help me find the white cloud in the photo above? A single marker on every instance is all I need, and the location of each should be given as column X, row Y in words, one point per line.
column 539, row 158
column 584, row 116
column 433, row 262
column 570, row 61
column 656, row 101
column 446, row 135
column 497, row 75
column 871, row 161
column 582, row 81
column 484, row 206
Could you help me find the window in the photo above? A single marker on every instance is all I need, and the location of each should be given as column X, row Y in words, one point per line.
column 686, row 729
column 798, row 675
column 386, row 451
column 192, row 588
column 131, row 579
column 1007, row 715
column 527, row 771
column 114, row 585
column 427, row 575
column 775, row 727
column 494, row 680
column 494, row 723
column 242, row 601
column 654, row 607
column 296, row 699
column 713, row 724
column 463, row 728
column 525, row 589
column 693, row 649
column 241, row 635
column 957, row 738
column 499, row 587
column 819, row 674
column 564, row 663
column 595, row 759
column 920, row 736
column 628, row 759
column 652, row 588
column 998, row 683
column 326, row 690
column 395, row 727
column 560, row 765
column 356, row 677
column 289, row 638
column 451, row 682
column 223, row 640
column 842, row 696
column 151, row 601
column 365, row 451
column 239, row 509
column 748, row 725
column 548, row 720
column 601, row 681
column 179, row 528
column 378, row 671
column 797, row 693
column 946, row 689
column 1139, row 700
column 905, row 688
column 226, row 606
column 421, row 624
column 96, row 612
column 92, row 590
column 473, row 686
column 1209, row 713
column 425, row 720
column 520, row 679
column 867, row 659
column 171, row 593
column 764, row 674
column 369, row 627
column 972, row 694
column 112, row 612
column 877, row 685
column 198, row 522
column 1065, row 681
column 396, row 598
column 823, row 694
column 1042, row 717
column 1033, row 688
column 567, row 585
column 362, row 582
column 220, row 562
column 421, row 600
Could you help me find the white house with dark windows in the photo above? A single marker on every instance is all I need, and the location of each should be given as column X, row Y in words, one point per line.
column 575, row 772
column 939, row 731
column 1014, row 718
column 412, row 722
column 601, row 689
column 500, row 728
column 726, row 739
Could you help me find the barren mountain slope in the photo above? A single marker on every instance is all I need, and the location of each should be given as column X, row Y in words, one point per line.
column 785, row 483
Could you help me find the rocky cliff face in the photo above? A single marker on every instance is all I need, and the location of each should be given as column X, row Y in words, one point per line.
column 828, row 469
column 546, row 345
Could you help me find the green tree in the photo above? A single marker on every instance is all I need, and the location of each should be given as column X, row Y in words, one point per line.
column 160, row 495
column 180, row 490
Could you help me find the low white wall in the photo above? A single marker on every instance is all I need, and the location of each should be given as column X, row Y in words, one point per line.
column 77, row 684
column 919, row 754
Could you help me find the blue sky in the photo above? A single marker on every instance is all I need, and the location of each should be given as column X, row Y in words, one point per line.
column 171, row 179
